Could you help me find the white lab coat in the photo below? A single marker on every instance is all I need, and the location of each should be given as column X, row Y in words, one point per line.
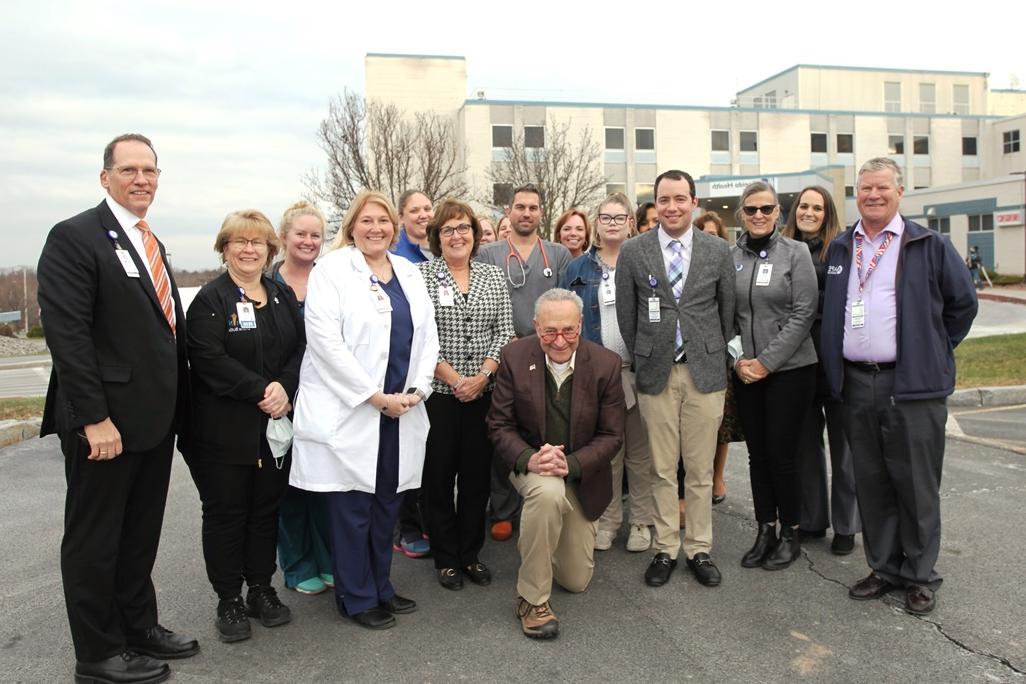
column 336, row 429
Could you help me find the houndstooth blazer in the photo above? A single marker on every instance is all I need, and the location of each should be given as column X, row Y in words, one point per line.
column 476, row 327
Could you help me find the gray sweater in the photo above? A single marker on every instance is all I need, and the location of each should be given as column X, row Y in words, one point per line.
column 774, row 319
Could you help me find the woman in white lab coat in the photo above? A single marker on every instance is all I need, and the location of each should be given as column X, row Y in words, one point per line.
column 360, row 421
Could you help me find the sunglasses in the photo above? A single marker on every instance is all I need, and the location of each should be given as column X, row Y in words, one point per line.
column 766, row 209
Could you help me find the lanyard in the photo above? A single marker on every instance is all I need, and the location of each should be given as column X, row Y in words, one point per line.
column 872, row 262
column 547, row 271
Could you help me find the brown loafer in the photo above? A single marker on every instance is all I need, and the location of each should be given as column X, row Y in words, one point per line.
column 919, row 600
column 869, row 588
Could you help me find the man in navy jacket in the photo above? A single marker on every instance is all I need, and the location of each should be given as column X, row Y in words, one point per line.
column 897, row 301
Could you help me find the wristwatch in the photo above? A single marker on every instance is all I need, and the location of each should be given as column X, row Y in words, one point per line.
column 485, row 372
column 417, row 391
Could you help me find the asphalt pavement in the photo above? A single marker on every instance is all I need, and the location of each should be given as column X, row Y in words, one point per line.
column 796, row 624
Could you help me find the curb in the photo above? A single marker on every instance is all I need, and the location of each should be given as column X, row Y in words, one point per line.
column 988, row 396
column 14, row 431
column 1000, row 298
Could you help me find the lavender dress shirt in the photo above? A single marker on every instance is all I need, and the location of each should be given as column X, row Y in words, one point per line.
column 877, row 340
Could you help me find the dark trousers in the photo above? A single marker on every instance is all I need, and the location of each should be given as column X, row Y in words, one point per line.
column 898, row 453
column 304, row 536
column 772, row 411
column 113, row 514
column 412, row 523
column 240, row 521
column 459, row 454
column 838, row 509
column 361, row 531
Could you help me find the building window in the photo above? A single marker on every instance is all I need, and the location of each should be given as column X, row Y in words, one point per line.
column 1010, row 141
column 818, row 142
column 721, row 141
column 920, row 144
column 960, row 99
column 895, row 144
column 845, row 143
column 534, row 137
column 771, row 99
column 614, row 138
column 981, row 222
column 892, row 96
column 749, row 141
column 969, row 146
column 644, row 138
column 502, row 136
column 502, row 194
column 927, row 98
column 849, row 191
column 757, row 102
column 941, row 225
column 644, row 192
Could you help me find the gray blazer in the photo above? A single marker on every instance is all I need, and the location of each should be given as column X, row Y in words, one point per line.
column 774, row 320
column 706, row 311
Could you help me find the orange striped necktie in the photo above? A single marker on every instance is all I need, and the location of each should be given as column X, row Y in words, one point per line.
column 161, row 281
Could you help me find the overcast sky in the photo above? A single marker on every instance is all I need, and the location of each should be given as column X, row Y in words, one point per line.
column 232, row 94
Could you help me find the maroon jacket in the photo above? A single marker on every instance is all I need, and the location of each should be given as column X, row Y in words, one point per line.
column 516, row 420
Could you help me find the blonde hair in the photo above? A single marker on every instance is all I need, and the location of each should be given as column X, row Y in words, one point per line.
column 624, row 203
column 362, row 199
column 300, row 208
column 248, row 222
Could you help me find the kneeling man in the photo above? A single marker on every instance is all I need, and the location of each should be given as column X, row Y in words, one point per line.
column 556, row 421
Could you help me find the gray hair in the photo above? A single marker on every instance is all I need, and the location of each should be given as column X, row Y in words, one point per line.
column 751, row 189
column 558, row 294
column 883, row 164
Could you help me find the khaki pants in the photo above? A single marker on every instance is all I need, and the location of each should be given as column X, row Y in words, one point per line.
column 636, row 457
column 682, row 421
column 556, row 540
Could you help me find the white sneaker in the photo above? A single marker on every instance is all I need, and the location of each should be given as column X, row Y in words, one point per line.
column 640, row 539
column 604, row 540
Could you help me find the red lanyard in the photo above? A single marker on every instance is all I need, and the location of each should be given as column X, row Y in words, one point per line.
column 872, row 262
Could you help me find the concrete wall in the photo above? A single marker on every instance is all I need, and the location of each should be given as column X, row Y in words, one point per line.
column 1007, row 102
column 862, row 90
column 414, row 82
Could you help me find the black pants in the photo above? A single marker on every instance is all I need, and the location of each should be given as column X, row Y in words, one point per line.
column 240, row 521
column 113, row 514
column 459, row 454
column 898, row 453
column 411, row 525
column 772, row 411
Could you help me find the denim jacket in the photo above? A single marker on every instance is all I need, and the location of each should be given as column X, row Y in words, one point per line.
column 584, row 277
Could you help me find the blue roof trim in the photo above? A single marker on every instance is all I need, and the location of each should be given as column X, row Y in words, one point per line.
column 699, row 108
column 949, row 209
column 891, row 70
column 807, row 172
column 1008, row 90
column 404, row 56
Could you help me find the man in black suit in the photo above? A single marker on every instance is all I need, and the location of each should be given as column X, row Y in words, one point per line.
column 116, row 332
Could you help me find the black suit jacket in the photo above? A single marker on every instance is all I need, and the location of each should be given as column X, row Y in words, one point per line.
column 516, row 420
column 114, row 354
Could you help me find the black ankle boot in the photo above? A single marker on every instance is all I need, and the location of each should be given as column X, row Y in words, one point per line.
column 787, row 550
column 764, row 543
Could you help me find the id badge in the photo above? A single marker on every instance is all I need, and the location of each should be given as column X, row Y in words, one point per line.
column 127, row 263
column 653, row 310
column 608, row 295
column 381, row 302
column 762, row 277
column 858, row 313
column 247, row 316
column 445, row 296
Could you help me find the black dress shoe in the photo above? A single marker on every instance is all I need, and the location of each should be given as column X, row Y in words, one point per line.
column 127, row 668
column 478, row 573
column 919, row 600
column 450, row 578
column 375, row 618
column 161, row 643
column 398, row 605
column 842, row 544
column 719, row 498
column 705, row 570
column 765, row 540
column 660, row 569
column 870, row 587
column 787, row 550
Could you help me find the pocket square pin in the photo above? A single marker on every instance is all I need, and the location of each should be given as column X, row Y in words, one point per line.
column 531, row 367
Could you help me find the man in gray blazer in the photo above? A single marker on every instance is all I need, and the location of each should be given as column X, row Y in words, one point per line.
column 675, row 307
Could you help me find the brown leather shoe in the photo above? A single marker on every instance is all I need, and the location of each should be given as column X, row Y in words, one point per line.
column 538, row 622
column 919, row 600
column 871, row 587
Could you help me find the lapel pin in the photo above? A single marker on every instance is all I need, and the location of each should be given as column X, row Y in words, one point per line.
column 531, row 367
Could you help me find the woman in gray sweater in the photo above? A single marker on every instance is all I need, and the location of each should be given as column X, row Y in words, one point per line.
column 776, row 375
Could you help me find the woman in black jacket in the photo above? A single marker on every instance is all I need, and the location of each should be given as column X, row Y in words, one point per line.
column 246, row 342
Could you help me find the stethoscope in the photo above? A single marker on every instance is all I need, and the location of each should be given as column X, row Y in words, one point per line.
column 513, row 254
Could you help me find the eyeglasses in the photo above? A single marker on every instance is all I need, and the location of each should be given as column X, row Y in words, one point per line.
column 242, row 243
column 568, row 335
column 766, row 209
column 130, row 172
column 618, row 219
column 462, row 229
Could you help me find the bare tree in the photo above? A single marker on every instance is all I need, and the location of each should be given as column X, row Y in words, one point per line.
column 378, row 146
column 568, row 172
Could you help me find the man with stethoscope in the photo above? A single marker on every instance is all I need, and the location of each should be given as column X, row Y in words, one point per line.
column 531, row 266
